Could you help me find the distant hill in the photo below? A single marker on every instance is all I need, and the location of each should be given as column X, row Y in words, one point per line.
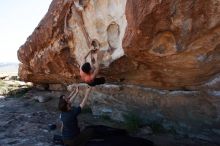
column 6, row 67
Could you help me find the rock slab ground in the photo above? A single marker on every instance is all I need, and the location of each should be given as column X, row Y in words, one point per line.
column 24, row 121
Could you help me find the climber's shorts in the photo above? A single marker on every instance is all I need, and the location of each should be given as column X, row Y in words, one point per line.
column 97, row 81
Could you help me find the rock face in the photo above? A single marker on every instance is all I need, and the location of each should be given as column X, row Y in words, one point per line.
column 166, row 44
column 196, row 113
column 163, row 44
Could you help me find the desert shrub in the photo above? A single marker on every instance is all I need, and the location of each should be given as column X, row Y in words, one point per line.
column 105, row 117
column 157, row 127
column 87, row 110
column 2, row 84
column 132, row 121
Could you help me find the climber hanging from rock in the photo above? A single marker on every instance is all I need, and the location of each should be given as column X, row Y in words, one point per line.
column 89, row 71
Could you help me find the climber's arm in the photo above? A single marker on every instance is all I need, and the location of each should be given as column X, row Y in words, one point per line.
column 100, row 55
column 61, row 128
column 89, row 52
column 84, row 59
column 73, row 96
column 95, row 72
column 82, row 104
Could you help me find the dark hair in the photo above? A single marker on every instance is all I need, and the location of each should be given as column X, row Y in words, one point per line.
column 86, row 67
column 62, row 104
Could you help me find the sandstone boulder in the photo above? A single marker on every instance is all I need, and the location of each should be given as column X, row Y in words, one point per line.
column 165, row 44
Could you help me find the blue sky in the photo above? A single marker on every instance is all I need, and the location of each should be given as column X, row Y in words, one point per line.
column 18, row 18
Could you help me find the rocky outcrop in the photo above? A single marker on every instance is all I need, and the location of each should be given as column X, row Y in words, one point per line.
column 173, row 45
column 167, row 44
column 194, row 113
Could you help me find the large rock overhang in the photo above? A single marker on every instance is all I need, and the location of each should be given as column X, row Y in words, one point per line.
column 154, row 43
